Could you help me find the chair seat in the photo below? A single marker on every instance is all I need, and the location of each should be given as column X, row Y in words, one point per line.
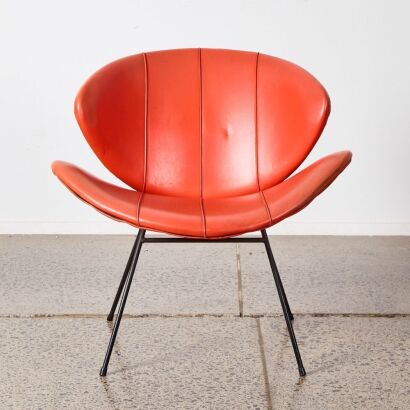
column 209, row 217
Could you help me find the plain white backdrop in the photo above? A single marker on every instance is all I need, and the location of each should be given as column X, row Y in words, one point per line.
column 359, row 50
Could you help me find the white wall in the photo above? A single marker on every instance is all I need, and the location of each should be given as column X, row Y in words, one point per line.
column 358, row 49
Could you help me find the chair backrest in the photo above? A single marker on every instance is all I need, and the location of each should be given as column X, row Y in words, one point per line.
column 202, row 122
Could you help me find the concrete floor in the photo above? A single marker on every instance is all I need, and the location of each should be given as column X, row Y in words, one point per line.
column 184, row 344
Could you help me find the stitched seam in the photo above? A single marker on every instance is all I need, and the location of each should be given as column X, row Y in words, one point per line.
column 256, row 122
column 266, row 206
column 256, row 140
column 200, row 144
column 145, row 134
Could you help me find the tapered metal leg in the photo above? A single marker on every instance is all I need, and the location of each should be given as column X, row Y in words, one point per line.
column 131, row 270
column 280, row 289
column 122, row 283
column 283, row 302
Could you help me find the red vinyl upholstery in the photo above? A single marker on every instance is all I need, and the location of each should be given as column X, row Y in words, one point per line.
column 206, row 140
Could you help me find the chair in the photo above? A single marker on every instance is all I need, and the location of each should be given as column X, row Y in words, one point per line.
column 206, row 140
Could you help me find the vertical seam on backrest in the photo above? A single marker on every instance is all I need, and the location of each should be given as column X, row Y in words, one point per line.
column 257, row 140
column 145, row 133
column 256, row 123
column 200, row 144
column 145, row 121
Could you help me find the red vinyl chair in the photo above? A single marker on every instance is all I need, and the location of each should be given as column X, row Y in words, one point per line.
column 206, row 140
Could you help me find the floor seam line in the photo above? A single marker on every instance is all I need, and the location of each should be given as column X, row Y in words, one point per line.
column 199, row 315
column 240, row 287
column 264, row 364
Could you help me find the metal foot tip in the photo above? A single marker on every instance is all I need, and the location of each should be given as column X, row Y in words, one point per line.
column 110, row 318
column 302, row 372
column 103, row 372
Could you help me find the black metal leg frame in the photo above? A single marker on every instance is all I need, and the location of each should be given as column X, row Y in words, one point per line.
column 126, row 280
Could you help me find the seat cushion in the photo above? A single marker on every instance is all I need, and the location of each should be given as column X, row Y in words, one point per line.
column 207, row 217
column 114, row 201
column 175, row 215
column 235, row 215
column 295, row 193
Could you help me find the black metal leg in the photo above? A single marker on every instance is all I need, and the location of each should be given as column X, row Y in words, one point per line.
column 122, row 283
column 128, row 282
column 280, row 289
column 283, row 302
